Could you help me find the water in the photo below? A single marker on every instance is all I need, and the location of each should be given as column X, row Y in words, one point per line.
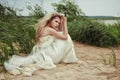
column 109, row 21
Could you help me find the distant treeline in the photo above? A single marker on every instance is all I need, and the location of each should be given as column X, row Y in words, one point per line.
column 102, row 17
column 91, row 17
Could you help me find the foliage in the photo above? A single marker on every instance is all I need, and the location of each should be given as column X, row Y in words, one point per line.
column 72, row 10
column 16, row 33
column 115, row 29
column 110, row 58
column 6, row 12
column 92, row 33
column 16, row 37
column 36, row 11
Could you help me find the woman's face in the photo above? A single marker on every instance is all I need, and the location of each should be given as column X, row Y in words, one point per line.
column 55, row 22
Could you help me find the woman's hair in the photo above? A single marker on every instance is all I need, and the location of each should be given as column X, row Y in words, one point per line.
column 43, row 23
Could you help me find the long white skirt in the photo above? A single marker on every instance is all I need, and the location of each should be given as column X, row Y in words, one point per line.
column 43, row 56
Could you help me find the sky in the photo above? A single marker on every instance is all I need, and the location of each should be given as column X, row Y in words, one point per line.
column 89, row 7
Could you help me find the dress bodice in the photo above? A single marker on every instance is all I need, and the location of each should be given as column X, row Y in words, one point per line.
column 45, row 38
column 46, row 41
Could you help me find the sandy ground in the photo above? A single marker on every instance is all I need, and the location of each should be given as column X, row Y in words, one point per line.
column 92, row 68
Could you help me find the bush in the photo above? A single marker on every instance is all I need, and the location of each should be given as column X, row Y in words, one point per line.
column 16, row 36
column 115, row 30
column 108, row 40
column 92, row 33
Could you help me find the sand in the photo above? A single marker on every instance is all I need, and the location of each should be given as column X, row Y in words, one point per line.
column 92, row 68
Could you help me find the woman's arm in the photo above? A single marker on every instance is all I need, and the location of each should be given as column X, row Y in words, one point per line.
column 65, row 30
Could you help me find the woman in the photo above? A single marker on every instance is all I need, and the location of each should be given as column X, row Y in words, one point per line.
column 53, row 45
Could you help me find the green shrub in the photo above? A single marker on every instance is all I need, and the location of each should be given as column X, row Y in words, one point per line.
column 115, row 30
column 109, row 40
column 93, row 33
column 16, row 36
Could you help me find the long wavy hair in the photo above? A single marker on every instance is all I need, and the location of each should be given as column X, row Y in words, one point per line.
column 45, row 21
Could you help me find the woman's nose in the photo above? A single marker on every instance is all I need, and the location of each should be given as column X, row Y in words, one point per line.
column 57, row 24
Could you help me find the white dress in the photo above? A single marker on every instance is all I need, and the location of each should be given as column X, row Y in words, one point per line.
column 45, row 55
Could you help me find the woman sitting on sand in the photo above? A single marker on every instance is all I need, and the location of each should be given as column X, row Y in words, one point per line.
column 53, row 45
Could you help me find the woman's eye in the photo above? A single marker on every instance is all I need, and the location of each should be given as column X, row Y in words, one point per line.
column 57, row 22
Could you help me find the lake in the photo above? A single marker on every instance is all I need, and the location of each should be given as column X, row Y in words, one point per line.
column 109, row 21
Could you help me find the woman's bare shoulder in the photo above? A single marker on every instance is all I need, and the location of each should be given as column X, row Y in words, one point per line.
column 49, row 29
column 45, row 32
